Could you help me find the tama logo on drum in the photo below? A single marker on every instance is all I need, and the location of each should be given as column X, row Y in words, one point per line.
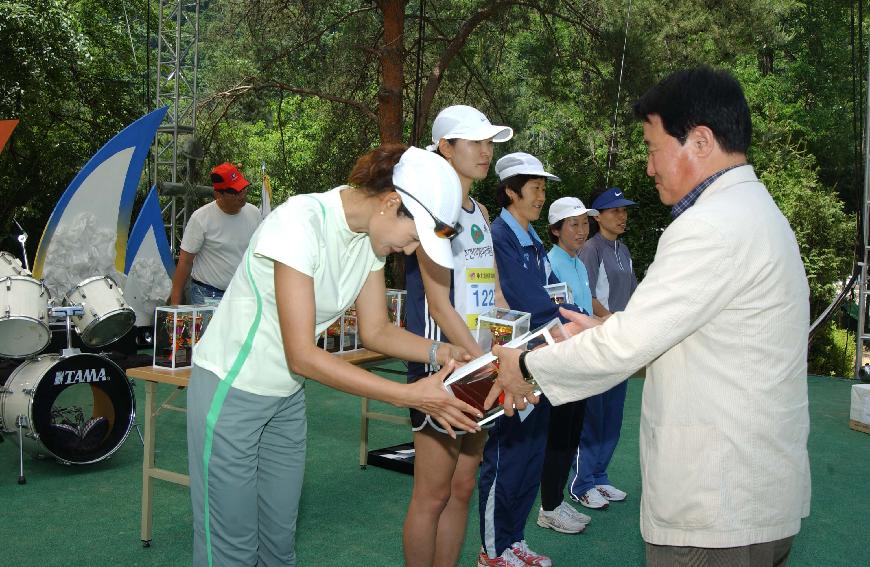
column 64, row 377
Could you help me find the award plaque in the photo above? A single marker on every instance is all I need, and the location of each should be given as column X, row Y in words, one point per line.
column 472, row 382
column 500, row 326
column 559, row 293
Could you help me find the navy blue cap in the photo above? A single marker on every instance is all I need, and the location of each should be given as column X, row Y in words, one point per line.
column 611, row 199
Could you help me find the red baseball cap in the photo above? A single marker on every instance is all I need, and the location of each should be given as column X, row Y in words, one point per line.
column 226, row 176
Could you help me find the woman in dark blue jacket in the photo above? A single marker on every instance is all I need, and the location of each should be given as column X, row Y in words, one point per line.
column 514, row 453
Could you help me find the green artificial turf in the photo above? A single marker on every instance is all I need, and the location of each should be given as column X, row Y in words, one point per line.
column 89, row 515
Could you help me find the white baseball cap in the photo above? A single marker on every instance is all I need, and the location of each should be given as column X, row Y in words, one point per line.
column 568, row 207
column 466, row 123
column 521, row 163
column 432, row 193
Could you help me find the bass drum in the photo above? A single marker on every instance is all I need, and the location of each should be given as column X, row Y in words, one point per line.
column 78, row 409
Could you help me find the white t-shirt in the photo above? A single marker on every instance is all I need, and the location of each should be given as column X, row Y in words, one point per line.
column 310, row 234
column 218, row 240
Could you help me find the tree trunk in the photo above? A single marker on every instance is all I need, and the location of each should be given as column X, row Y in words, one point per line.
column 392, row 77
column 765, row 61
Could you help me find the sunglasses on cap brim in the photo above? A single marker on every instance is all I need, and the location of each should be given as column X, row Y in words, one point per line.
column 442, row 229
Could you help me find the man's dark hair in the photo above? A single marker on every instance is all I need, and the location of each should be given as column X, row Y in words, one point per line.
column 514, row 183
column 701, row 96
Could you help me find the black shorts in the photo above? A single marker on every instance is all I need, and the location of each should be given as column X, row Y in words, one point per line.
column 420, row 420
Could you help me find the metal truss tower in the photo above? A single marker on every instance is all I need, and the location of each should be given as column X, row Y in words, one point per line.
column 176, row 74
column 862, row 371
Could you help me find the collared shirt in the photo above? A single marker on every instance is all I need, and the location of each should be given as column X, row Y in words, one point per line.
column 689, row 199
column 526, row 238
column 572, row 271
column 524, row 269
column 611, row 271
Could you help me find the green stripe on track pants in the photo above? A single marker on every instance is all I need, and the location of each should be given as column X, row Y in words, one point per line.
column 254, row 470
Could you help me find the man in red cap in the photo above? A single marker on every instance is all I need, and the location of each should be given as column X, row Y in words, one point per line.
column 215, row 238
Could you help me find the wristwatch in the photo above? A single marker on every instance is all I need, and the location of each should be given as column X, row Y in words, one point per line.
column 524, row 370
column 433, row 358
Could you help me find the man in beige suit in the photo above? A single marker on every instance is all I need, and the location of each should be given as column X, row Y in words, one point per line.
column 720, row 322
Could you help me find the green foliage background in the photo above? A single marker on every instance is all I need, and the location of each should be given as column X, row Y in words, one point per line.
column 295, row 84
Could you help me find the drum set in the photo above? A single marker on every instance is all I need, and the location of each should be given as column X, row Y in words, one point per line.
column 77, row 408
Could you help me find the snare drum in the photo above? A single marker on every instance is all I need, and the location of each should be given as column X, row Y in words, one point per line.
column 23, row 316
column 10, row 265
column 106, row 317
column 77, row 409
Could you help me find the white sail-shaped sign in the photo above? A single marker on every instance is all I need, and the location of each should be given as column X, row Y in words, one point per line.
column 86, row 234
column 149, row 266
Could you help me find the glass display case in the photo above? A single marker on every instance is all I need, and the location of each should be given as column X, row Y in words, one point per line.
column 559, row 293
column 396, row 306
column 177, row 329
column 342, row 335
column 499, row 325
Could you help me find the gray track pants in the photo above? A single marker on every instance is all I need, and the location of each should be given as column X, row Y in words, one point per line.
column 246, row 455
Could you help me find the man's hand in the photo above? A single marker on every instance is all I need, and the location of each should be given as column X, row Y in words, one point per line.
column 578, row 322
column 517, row 392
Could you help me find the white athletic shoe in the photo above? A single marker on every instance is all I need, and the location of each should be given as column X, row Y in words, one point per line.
column 563, row 519
column 611, row 493
column 506, row 559
column 526, row 555
column 592, row 498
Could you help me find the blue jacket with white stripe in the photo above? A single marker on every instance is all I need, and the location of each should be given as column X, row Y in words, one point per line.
column 524, row 269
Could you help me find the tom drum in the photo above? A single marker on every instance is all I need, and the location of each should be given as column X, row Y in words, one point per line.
column 24, row 327
column 106, row 317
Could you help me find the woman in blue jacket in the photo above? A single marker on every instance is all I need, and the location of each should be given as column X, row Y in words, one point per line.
column 514, row 453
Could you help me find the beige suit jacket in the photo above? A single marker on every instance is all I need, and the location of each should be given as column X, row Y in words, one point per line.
column 720, row 321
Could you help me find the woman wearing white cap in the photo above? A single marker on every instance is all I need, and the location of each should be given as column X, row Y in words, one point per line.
column 569, row 227
column 445, row 469
column 311, row 259
column 514, row 455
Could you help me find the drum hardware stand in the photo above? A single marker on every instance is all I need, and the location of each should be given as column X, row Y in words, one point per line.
column 22, row 239
column 3, row 390
column 67, row 312
column 20, row 423
column 135, row 421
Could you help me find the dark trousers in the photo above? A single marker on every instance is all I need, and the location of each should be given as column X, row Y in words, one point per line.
column 510, row 475
column 601, row 429
column 768, row 554
column 563, row 438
